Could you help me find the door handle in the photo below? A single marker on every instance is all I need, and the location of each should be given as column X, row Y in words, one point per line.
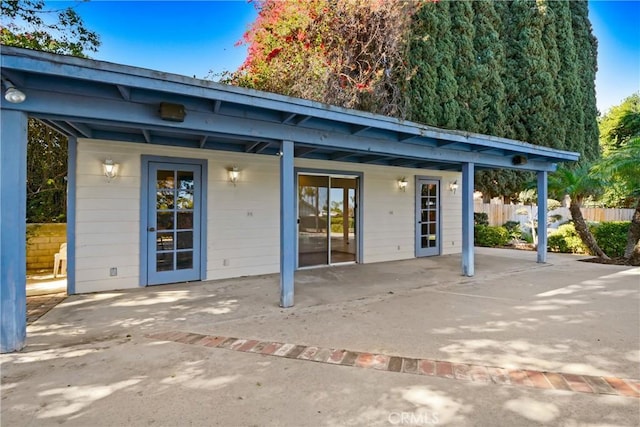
column 151, row 229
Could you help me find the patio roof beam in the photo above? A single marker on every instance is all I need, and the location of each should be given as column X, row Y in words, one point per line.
column 340, row 155
column 77, row 107
column 203, row 140
column 147, row 136
column 303, row 151
column 125, row 92
column 357, row 129
column 85, row 131
column 216, row 106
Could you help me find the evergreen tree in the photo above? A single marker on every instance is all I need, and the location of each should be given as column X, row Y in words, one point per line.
column 586, row 50
column 488, row 106
column 422, row 58
column 464, row 64
column 555, row 133
column 568, row 78
column 447, row 110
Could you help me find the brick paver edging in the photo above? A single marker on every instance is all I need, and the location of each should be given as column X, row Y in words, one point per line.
column 429, row 367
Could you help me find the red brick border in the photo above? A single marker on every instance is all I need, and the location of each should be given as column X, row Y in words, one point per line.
column 429, row 367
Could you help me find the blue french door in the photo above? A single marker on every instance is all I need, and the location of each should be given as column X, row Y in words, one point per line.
column 173, row 224
column 427, row 217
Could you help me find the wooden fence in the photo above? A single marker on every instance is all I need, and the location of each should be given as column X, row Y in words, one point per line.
column 499, row 213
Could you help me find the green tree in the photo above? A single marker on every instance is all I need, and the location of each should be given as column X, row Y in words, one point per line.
column 579, row 184
column 32, row 24
column 587, row 62
column 620, row 124
column 622, row 167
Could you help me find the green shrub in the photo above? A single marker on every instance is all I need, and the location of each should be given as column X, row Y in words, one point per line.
column 513, row 227
column 480, row 218
column 485, row 235
column 566, row 240
column 612, row 237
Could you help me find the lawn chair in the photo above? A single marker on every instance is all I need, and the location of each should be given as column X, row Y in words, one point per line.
column 60, row 261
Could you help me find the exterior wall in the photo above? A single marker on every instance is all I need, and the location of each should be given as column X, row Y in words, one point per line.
column 242, row 220
column 389, row 214
column 43, row 242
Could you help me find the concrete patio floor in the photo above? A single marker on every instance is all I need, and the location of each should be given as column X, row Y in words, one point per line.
column 93, row 359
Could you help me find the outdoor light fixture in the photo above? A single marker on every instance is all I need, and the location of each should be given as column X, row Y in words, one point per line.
column 402, row 184
column 234, row 174
column 172, row 112
column 453, row 186
column 13, row 94
column 109, row 169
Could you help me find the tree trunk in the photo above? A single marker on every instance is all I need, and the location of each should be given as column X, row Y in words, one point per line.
column 632, row 250
column 583, row 231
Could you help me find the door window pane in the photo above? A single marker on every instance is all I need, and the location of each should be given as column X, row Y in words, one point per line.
column 164, row 241
column 185, row 220
column 164, row 261
column 164, row 199
column 185, row 199
column 185, row 260
column 185, row 240
column 185, row 180
column 165, row 179
column 164, row 221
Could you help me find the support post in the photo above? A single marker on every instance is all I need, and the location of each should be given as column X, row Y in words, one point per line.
column 72, row 162
column 468, row 262
column 542, row 216
column 13, row 202
column 287, row 224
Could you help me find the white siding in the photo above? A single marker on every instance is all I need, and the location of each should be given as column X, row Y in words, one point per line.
column 243, row 220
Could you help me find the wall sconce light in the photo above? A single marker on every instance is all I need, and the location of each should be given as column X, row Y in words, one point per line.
column 234, row 174
column 13, row 94
column 110, row 169
column 402, row 184
column 453, row 186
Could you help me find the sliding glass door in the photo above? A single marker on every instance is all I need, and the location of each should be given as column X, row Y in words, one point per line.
column 326, row 219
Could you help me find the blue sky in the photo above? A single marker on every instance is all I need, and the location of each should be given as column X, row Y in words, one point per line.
column 194, row 37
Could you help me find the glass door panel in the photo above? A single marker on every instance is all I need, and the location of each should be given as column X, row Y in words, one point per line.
column 342, row 199
column 428, row 217
column 313, row 203
column 173, row 223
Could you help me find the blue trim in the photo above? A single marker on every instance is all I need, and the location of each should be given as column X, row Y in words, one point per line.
column 72, row 162
column 542, row 217
column 13, row 230
column 144, row 210
column 359, row 205
column 287, row 224
column 417, row 236
column 468, row 262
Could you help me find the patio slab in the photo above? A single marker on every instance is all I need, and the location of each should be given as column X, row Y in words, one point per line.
column 94, row 359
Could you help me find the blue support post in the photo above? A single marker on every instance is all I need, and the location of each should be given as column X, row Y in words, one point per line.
column 13, row 202
column 72, row 161
column 542, row 216
column 287, row 224
column 467, row 219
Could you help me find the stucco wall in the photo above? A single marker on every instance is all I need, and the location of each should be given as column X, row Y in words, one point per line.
column 243, row 220
column 43, row 242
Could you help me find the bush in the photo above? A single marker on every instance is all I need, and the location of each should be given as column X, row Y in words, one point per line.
column 566, row 240
column 612, row 237
column 480, row 218
column 485, row 235
column 513, row 227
